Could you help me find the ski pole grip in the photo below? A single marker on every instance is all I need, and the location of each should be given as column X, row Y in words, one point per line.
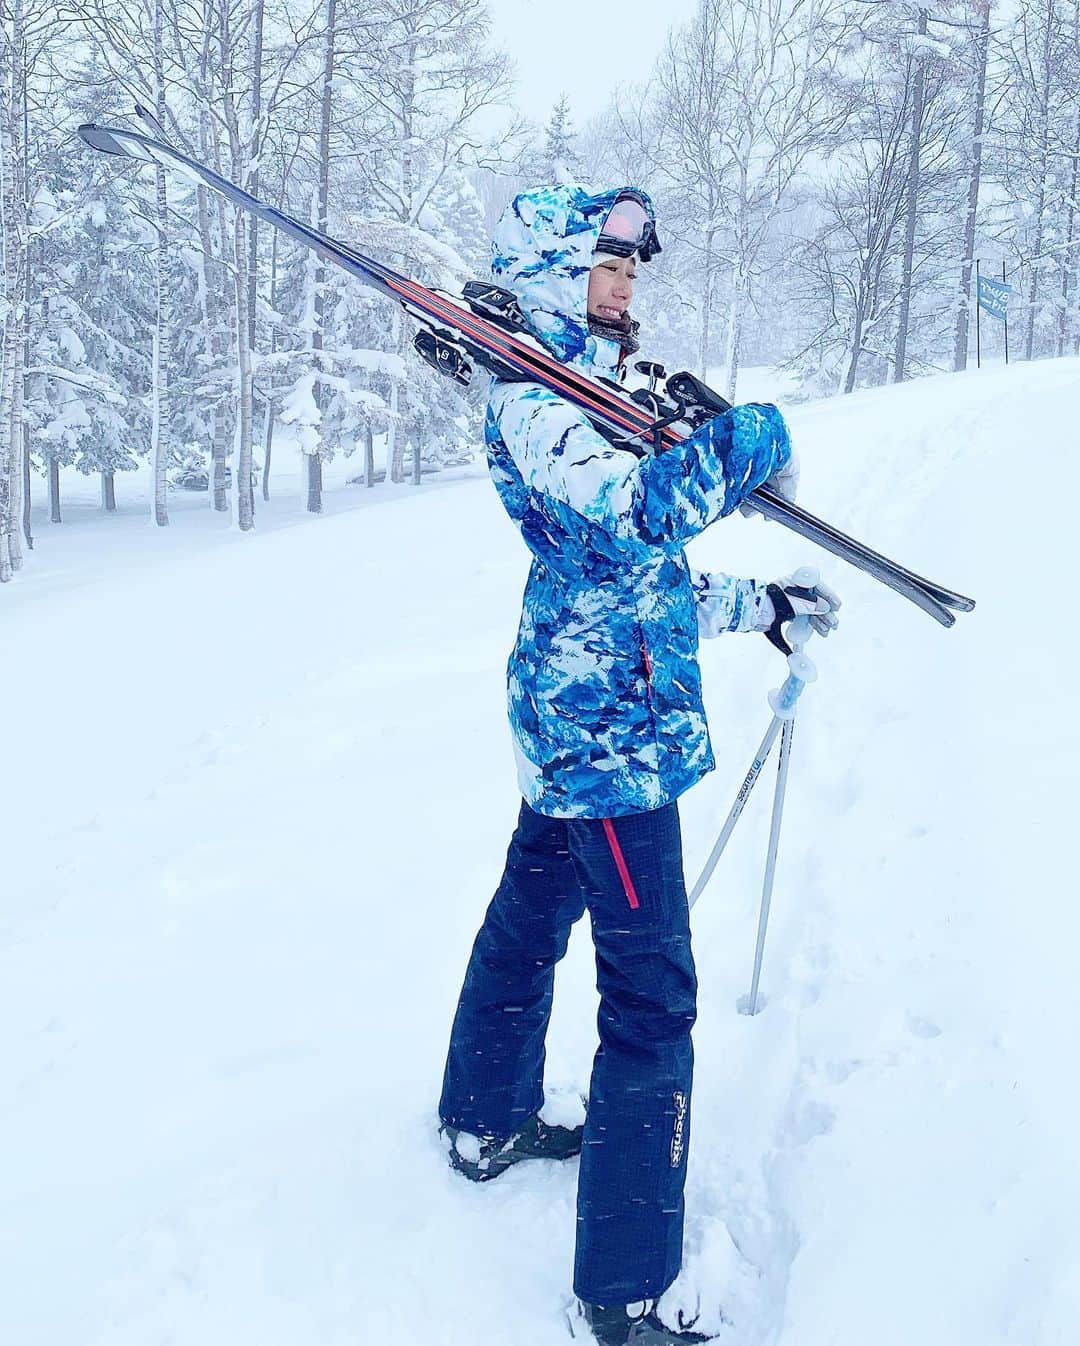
column 806, row 576
column 784, row 699
column 801, row 667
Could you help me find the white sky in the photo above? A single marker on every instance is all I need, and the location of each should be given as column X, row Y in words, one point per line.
column 582, row 48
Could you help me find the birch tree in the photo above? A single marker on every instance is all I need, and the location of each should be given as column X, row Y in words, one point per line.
column 320, row 219
column 1068, row 311
column 14, row 223
column 911, row 192
column 979, row 47
column 131, row 38
column 160, row 437
column 430, row 74
column 1039, row 73
column 1037, row 135
column 851, row 259
column 744, row 95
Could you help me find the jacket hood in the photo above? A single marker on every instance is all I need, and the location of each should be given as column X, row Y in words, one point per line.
column 543, row 252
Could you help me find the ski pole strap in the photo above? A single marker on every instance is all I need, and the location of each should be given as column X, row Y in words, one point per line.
column 785, row 612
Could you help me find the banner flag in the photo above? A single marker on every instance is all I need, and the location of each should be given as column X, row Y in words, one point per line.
column 994, row 297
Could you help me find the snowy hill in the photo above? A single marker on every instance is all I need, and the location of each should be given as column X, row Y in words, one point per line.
column 265, row 793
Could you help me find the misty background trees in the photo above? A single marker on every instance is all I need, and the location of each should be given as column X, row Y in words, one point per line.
column 826, row 173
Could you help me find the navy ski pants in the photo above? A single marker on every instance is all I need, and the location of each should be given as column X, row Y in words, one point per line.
column 628, row 872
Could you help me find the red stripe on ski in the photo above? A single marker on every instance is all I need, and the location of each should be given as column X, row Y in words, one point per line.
column 620, row 864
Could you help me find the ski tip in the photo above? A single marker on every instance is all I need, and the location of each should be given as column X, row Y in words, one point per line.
column 100, row 138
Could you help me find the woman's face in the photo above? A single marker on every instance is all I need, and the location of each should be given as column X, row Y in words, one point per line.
column 611, row 287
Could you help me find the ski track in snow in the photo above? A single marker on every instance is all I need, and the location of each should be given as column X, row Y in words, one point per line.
column 264, row 794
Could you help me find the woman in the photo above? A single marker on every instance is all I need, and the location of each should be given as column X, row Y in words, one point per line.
column 609, row 729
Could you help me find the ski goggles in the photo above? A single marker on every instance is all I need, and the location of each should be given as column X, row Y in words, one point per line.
column 629, row 228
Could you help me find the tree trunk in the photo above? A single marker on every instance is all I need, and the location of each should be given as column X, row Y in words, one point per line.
column 392, row 450
column 256, row 150
column 704, row 335
column 321, row 222
column 108, row 492
column 21, row 317
column 416, row 462
column 369, row 456
column 18, row 433
column 242, row 463
column 252, row 225
column 731, row 337
column 223, row 412
column 14, row 221
column 739, row 280
column 1042, row 163
column 159, row 435
column 857, row 334
column 5, row 513
column 27, row 518
column 268, row 448
column 740, row 275
column 7, row 362
column 159, row 508
column 239, row 150
column 963, row 309
column 918, row 102
column 314, row 483
column 395, row 470
column 10, row 342
column 268, row 434
column 210, row 283
column 54, row 490
column 1070, row 262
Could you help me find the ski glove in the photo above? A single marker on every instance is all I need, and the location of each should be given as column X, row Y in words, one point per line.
column 785, row 600
column 784, row 483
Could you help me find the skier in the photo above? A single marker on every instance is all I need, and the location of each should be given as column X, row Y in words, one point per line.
column 609, row 729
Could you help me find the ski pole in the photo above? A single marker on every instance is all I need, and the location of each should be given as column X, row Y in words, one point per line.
column 770, row 862
column 801, row 671
column 783, row 702
column 750, row 780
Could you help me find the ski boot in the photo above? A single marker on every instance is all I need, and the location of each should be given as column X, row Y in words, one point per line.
column 632, row 1325
column 481, row 1158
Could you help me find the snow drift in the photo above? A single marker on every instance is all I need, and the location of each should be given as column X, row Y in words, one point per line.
column 265, row 791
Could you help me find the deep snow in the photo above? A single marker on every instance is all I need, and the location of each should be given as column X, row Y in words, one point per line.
column 262, row 791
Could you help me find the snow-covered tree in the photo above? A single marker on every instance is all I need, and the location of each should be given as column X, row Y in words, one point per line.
column 557, row 158
column 743, row 95
column 15, row 223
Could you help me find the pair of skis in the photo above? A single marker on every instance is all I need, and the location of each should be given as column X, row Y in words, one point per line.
column 484, row 327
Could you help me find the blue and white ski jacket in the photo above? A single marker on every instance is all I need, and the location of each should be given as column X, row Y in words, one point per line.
column 603, row 682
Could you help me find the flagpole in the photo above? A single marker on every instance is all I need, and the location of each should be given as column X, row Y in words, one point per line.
column 1006, row 313
column 978, row 315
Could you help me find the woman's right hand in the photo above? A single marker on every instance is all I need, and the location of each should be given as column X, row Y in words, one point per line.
column 784, row 483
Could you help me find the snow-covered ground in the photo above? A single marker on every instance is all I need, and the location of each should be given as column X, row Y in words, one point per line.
column 262, row 793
